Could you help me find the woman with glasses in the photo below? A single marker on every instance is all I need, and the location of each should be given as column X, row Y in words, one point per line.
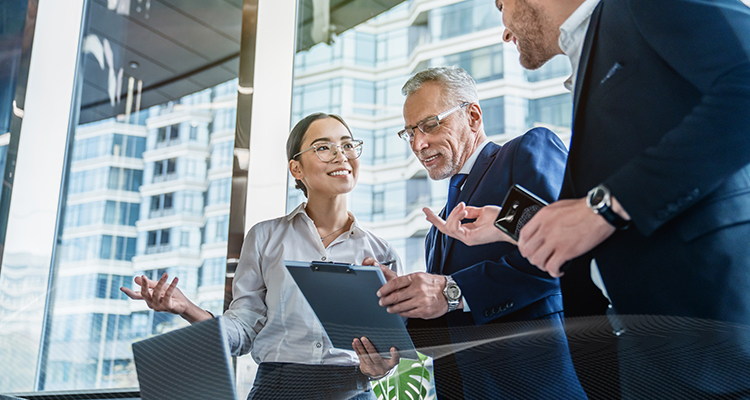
column 269, row 316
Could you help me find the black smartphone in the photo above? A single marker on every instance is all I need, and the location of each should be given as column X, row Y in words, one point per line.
column 518, row 208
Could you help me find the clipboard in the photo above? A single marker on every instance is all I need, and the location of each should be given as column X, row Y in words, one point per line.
column 344, row 299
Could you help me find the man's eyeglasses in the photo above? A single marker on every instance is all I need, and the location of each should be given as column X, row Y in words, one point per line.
column 327, row 151
column 428, row 125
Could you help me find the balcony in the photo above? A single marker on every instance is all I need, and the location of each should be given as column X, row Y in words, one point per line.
column 168, row 143
column 164, row 212
column 169, row 176
column 158, row 248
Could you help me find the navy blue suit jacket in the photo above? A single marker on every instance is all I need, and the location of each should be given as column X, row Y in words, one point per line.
column 500, row 286
column 494, row 278
column 662, row 117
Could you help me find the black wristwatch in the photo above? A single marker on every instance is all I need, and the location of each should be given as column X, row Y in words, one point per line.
column 599, row 200
column 452, row 293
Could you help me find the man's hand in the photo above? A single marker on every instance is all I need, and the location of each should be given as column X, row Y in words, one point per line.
column 561, row 232
column 481, row 231
column 417, row 295
column 389, row 274
column 370, row 362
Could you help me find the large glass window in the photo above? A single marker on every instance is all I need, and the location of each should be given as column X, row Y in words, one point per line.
column 408, row 38
column 155, row 107
column 149, row 175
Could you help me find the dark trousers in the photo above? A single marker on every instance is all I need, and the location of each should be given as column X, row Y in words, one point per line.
column 315, row 382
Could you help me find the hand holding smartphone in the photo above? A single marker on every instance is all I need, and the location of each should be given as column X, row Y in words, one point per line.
column 518, row 208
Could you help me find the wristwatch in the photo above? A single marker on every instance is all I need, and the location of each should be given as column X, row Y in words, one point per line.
column 599, row 200
column 452, row 293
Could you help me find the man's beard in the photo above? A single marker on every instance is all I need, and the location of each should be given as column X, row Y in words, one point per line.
column 532, row 44
column 443, row 172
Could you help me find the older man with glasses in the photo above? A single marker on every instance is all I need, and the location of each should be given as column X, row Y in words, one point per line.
column 493, row 321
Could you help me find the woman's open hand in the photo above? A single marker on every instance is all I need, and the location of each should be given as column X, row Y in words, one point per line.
column 158, row 295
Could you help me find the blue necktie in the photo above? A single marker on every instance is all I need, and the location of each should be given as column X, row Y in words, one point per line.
column 453, row 192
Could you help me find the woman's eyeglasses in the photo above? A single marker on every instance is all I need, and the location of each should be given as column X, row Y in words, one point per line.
column 327, row 151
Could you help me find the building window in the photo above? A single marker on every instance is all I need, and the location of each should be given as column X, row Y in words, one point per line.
column 555, row 111
column 378, row 201
column 164, row 170
column 557, row 67
column 164, row 236
column 158, row 241
column 484, row 64
column 212, row 272
column 168, row 135
column 493, row 115
column 105, row 179
column 219, row 191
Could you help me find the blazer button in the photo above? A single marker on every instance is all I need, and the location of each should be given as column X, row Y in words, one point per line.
column 487, row 313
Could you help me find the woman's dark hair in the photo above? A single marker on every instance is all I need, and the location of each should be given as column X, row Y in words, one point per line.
column 297, row 135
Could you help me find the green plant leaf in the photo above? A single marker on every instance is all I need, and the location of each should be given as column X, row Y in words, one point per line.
column 410, row 381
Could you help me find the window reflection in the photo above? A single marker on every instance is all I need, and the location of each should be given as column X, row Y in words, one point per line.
column 137, row 193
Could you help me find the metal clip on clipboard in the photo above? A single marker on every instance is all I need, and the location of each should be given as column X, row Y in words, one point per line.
column 334, row 267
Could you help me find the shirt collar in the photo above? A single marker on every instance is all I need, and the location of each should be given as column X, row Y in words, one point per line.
column 573, row 34
column 300, row 210
column 473, row 158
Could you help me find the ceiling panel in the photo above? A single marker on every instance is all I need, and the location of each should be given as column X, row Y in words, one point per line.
column 177, row 47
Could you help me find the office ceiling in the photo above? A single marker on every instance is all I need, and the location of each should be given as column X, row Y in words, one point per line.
column 178, row 47
column 344, row 15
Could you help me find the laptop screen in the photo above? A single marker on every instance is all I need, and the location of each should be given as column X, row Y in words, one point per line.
column 188, row 363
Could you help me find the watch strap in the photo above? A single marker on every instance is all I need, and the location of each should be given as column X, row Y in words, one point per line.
column 613, row 218
column 452, row 304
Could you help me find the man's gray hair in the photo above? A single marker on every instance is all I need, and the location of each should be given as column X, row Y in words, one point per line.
column 458, row 85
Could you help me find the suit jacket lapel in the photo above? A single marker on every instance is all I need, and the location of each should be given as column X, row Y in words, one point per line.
column 581, row 81
column 472, row 182
column 588, row 44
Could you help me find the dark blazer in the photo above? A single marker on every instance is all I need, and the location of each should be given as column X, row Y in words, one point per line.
column 662, row 117
column 502, row 288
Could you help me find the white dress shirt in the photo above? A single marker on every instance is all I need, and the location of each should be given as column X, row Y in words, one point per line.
column 572, row 35
column 469, row 164
column 269, row 315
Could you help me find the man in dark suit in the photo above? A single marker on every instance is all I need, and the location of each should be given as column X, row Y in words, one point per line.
column 494, row 320
column 656, row 196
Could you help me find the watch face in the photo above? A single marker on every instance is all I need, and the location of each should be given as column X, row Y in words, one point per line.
column 453, row 292
column 597, row 197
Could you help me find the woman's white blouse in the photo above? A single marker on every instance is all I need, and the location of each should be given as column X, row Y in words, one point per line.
column 269, row 316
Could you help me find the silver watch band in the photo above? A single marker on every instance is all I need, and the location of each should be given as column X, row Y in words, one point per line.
column 452, row 304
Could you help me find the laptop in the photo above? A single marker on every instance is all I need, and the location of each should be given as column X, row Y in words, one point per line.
column 187, row 363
